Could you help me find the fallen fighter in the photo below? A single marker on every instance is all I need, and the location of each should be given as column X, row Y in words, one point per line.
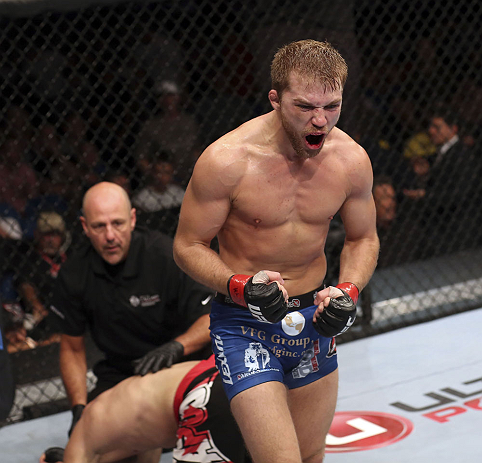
column 182, row 407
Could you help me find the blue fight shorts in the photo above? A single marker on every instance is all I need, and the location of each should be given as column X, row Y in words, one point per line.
column 250, row 352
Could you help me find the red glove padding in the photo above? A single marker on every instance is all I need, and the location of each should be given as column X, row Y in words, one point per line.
column 350, row 289
column 265, row 301
column 340, row 313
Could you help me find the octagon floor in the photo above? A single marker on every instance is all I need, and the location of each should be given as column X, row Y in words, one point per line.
column 414, row 394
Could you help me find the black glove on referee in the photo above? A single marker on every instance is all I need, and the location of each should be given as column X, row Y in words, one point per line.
column 159, row 358
column 76, row 414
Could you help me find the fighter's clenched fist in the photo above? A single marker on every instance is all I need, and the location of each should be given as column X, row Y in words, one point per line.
column 263, row 294
column 336, row 309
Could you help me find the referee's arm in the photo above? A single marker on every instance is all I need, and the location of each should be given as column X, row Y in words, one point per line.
column 73, row 368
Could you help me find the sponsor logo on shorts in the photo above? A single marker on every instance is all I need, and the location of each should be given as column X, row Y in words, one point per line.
column 256, row 313
column 349, row 323
column 254, row 372
column 294, row 303
column 275, row 338
column 283, row 347
column 293, row 323
column 256, row 356
column 223, row 366
column 308, row 363
column 256, row 360
column 331, row 349
column 144, row 301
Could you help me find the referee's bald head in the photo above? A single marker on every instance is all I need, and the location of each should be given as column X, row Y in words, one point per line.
column 102, row 190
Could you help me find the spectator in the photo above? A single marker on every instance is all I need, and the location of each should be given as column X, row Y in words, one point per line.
column 119, row 177
column 56, row 171
column 418, row 152
column 453, row 183
column 76, row 147
column 19, row 182
column 155, row 57
column 386, row 207
column 385, row 201
column 77, row 150
column 419, row 145
column 159, row 202
column 383, row 155
column 38, row 273
column 415, row 178
column 10, row 228
column 17, row 125
column 467, row 98
column 160, row 191
column 42, row 202
column 43, row 67
column 17, row 338
column 400, row 237
column 12, row 310
column 173, row 130
column 58, row 178
column 7, row 385
column 143, row 312
column 444, row 133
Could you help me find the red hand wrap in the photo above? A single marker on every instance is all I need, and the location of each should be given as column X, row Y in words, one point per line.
column 236, row 284
column 350, row 289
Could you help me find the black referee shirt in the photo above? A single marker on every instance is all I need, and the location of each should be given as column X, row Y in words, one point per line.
column 132, row 307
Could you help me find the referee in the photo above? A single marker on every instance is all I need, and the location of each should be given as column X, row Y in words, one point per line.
column 143, row 312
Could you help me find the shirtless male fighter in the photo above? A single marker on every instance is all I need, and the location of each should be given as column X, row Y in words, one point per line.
column 269, row 190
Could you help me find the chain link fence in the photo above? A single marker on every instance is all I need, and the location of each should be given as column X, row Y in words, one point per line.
column 133, row 93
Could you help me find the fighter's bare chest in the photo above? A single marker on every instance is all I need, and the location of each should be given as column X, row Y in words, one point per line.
column 278, row 196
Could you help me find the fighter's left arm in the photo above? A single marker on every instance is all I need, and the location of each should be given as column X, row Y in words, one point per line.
column 336, row 310
column 359, row 255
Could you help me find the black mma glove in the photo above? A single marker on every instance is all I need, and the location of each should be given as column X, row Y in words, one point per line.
column 54, row 455
column 159, row 358
column 340, row 313
column 76, row 414
column 264, row 300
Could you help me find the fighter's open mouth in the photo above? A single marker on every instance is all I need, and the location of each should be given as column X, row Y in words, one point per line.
column 315, row 140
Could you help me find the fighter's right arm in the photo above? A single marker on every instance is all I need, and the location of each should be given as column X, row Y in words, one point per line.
column 73, row 368
column 205, row 208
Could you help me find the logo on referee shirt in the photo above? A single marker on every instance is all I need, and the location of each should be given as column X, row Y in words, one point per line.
column 144, row 301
